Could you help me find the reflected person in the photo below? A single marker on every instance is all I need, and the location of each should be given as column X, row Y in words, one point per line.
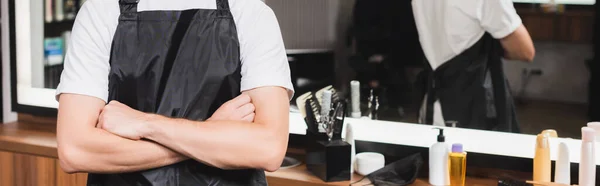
column 464, row 42
column 179, row 92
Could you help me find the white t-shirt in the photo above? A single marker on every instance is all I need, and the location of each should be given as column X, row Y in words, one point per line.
column 449, row 27
column 262, row 52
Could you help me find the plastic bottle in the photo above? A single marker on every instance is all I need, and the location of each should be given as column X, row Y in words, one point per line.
column 438, row 161
column 587, row 164
column 458, row 165
column 541, row 161
column 562, row 173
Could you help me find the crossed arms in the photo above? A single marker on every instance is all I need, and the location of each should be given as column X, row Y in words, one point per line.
column 250, row 131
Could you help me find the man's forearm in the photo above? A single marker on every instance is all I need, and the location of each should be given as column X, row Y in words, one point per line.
column 102, row 152
column 223, row 144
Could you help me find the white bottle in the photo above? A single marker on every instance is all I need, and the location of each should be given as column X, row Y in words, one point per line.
column 562, row 173
column 350, row 140
column 587, row 164
column 355, row 99
column 438, row 161
column 596, row 127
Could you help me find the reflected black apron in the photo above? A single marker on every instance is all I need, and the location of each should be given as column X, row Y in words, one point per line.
column 473, row 90
column 181, row 64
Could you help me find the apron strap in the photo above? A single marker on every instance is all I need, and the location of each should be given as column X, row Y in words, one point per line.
column 128, row 6
column 222, row 4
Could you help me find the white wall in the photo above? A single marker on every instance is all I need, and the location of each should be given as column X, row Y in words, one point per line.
column 565, row 75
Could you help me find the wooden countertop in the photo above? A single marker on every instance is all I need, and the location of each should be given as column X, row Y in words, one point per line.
column 37, row 136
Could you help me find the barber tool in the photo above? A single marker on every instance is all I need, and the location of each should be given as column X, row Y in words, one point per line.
column 334, row 94
column 370, row 104
column 376, row 109
column 338, row 121
column 312, row 115
column 326, row 112
column 301, row 103
column 327, row 156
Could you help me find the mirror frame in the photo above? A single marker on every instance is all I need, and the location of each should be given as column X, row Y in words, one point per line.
column 38, row 110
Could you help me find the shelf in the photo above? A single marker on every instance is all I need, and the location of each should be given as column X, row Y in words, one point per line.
column 56, row 29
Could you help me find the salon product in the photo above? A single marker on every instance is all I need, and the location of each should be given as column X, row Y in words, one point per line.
column 587, row 164
column 562, row 173
column 350, row 140
column 66, row 36
column 458, row 165
column 368, row 162
column 355, row 98
column 596, row 127
column 53, row 51
column 59, row 10
column 438, row 161
column 70, row 9
column 541, row 161
column 49, row 8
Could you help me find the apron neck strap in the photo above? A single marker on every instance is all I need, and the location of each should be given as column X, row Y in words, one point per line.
column 222, row 4
column 128, row 6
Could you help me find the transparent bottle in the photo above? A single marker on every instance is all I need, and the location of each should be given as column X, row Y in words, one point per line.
column 458, row 165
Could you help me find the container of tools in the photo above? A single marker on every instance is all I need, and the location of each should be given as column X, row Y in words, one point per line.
column 327, row 155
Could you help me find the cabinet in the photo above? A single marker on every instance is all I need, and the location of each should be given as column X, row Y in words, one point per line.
column 575, row 26
column 29, row 170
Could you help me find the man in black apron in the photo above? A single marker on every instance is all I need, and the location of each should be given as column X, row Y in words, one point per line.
column 172, row 76
column 464, row 42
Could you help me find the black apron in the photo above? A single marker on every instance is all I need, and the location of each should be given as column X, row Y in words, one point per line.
column 473, row 90
column 180, row 64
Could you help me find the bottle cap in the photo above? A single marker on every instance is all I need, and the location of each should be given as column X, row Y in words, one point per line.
column 596, row 127
column 441, row 137
column 551, row 133
column 588, row 134
column 457, row 148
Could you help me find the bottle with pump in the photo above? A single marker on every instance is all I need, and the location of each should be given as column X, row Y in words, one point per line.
column 438, row 161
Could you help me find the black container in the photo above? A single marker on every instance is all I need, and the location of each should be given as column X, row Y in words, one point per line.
column 328, row 160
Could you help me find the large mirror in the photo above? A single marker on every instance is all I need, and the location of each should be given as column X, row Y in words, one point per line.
column 332, row 42
column 379, row 47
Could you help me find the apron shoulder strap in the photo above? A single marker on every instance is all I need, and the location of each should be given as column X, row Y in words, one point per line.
column 128, row 6
column 222, row 4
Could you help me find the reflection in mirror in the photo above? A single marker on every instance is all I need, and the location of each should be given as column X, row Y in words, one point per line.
column 380, row 48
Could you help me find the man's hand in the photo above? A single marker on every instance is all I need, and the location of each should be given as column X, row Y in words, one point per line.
column 122, row 120
column 237, row 109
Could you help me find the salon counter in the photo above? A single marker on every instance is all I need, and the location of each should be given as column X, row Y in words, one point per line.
column 28, row 157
